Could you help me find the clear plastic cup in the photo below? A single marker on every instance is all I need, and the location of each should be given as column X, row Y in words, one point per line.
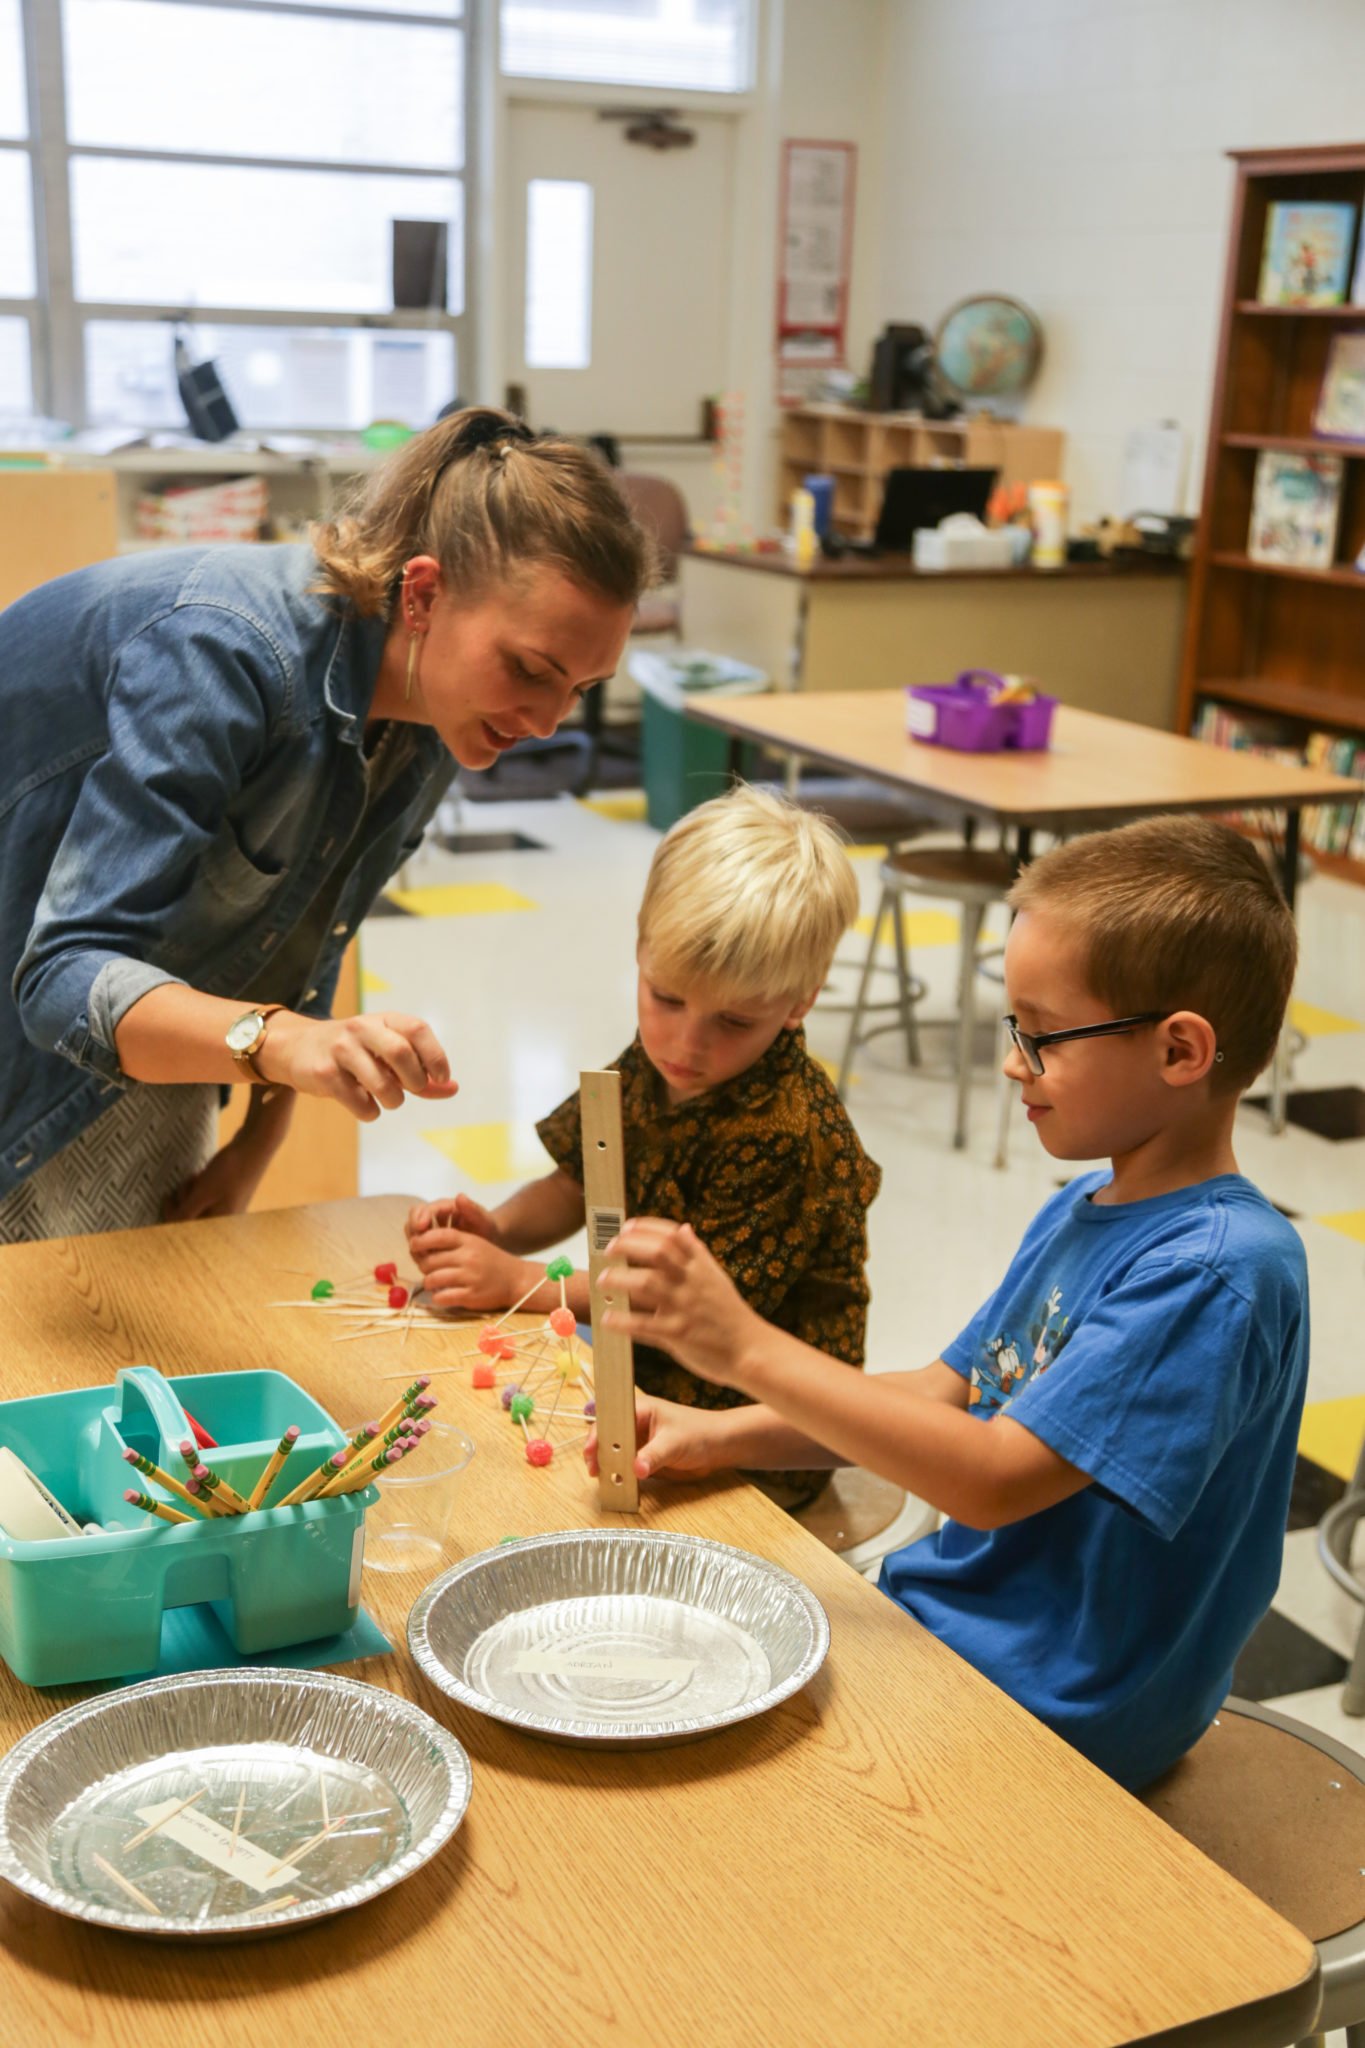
column 406, row 1529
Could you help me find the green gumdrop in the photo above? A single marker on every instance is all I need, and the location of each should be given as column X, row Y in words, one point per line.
column 322, row 1289
column 508, row 1539
column 523, row 1408
column 559, row 1269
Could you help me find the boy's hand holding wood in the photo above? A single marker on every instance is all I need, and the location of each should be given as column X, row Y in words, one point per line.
column 681, row 1299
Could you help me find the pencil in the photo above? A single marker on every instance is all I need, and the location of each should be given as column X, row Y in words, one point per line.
column 225, row 1492
column 268, row 1476
column 391, row 1415
column 151, row 1471
column 309, row 1488
column 154, row 1507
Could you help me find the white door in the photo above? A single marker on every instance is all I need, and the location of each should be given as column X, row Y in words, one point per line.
column 620, row 326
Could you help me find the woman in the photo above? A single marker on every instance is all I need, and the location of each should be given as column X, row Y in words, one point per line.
column 215, row 760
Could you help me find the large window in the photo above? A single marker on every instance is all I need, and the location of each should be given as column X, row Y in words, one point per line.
column 701, row 45
column 256, row 177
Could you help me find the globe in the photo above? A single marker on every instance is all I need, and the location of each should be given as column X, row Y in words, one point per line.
column 989, row 348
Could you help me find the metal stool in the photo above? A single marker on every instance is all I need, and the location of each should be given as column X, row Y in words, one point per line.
column 1335, row 1531
column 863, row 1517
column 965, row 875
column 1282, row 1809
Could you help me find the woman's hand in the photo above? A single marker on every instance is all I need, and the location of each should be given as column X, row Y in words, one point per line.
column 364, row 1063
column 226, row 1185
column 680, row 1299
column 671, row 1442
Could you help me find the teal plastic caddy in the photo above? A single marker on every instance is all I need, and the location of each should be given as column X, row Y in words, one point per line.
column 88, row 1607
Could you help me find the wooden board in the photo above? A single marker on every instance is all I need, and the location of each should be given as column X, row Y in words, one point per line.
column 604, row 1183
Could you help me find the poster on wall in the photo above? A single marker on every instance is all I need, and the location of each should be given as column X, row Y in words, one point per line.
column 814, row 257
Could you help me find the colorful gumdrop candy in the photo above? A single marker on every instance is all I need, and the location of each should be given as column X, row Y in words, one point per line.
column 398, row 1297
column 559, row 1269
column 509, row 1395
column 590, row 1408
column 538, row 1451
column 563, row 1322
column 484, row 1375
column 522, row 1407
column 323, row 1290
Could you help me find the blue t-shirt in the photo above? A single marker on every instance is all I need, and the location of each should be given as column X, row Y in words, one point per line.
column 1162, row 1347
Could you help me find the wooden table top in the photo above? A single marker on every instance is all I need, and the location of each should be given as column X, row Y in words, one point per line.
column 1097, row 770
column 901, row 567
column 898, row 1854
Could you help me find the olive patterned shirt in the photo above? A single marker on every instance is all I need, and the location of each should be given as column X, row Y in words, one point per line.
column 770, row 1173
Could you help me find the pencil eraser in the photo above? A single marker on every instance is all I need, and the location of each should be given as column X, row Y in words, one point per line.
column 130, row 1457
column 130, row 1493
column 340, row 1458
column 293, row 1432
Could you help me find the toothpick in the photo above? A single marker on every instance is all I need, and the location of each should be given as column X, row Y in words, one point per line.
column 322, row 1793
column 296, row 1856
column 125, row 1885
column 237, row 1822
column 263, row 1905
column 540, row 1282
column 154, row 1825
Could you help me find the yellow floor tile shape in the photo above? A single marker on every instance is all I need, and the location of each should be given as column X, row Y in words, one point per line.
column 1350, row 1222
column 626, row 808
column 1316, row 1023
column 1331, row 1431
column 460, row 899
column 372, row 984
column 866, row 852
column 922, row 928
column 492, row 1152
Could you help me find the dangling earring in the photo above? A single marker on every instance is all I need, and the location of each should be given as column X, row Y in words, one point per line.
column 414, row 644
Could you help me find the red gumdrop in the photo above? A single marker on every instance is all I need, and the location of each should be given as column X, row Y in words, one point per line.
column 506, row 1349
column 490, row 1341
column 398, row 1297
column 484, row 1376
column 563, row 1322
column 538, row 1451
column 386, row 1274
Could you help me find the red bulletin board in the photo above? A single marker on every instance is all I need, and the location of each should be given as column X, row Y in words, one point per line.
column 815, row 249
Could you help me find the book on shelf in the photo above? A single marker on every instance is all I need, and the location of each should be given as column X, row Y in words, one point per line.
column 1326, row 828
column 1295, row 506
column 1340, row 410
column 1306, row 256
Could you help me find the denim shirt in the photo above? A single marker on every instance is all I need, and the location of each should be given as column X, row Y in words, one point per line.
column 182, row 776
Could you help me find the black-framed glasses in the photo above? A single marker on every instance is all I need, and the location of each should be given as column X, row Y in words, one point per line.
column 1029, row 1044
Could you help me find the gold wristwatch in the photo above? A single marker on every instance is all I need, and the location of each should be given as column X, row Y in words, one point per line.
column 246, row 1037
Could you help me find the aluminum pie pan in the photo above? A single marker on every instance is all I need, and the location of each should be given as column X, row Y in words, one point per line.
column 269, row 1752
column 618, row 1639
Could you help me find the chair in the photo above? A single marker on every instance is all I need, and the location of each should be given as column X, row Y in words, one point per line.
column 974, row 878
column 862, row 1518
column 662, row 510
column 1335, row 1532
column 1282, row 1809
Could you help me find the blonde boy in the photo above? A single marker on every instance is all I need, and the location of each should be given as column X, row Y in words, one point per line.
column 1113, row 1434
column 730, row 1126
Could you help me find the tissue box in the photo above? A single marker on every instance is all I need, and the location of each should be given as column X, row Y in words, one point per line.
column 937, row 547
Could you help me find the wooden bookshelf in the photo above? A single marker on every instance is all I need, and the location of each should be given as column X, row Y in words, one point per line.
column 1286, row 643
column 857, row 449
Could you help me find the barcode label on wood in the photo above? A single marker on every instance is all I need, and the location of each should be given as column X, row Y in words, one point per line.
column 603, row 1226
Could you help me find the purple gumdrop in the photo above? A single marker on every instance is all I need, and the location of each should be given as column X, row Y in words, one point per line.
column 508, row 1394
column 590, row 1407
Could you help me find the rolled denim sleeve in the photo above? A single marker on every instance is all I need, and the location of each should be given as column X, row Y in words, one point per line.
column 192, row 701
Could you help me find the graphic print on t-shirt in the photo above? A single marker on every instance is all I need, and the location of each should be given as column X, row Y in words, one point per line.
column 1006, row 1364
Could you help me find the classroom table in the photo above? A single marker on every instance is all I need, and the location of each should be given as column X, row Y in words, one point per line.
column 1103, row 635
column 899, row 1854
column 1098, row 771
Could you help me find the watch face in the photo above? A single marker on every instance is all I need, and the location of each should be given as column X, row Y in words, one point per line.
column 245, row 1032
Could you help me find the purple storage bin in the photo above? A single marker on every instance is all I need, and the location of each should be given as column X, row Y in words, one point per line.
column 962, row 715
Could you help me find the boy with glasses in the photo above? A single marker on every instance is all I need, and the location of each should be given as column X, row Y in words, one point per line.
column 1113, row 1435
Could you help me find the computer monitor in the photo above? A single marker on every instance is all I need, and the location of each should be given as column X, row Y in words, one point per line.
column 922, row 497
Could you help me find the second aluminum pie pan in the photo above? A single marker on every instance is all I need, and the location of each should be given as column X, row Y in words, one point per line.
column 619, row 1639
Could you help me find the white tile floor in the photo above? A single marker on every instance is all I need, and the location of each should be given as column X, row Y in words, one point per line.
column 523, row 998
